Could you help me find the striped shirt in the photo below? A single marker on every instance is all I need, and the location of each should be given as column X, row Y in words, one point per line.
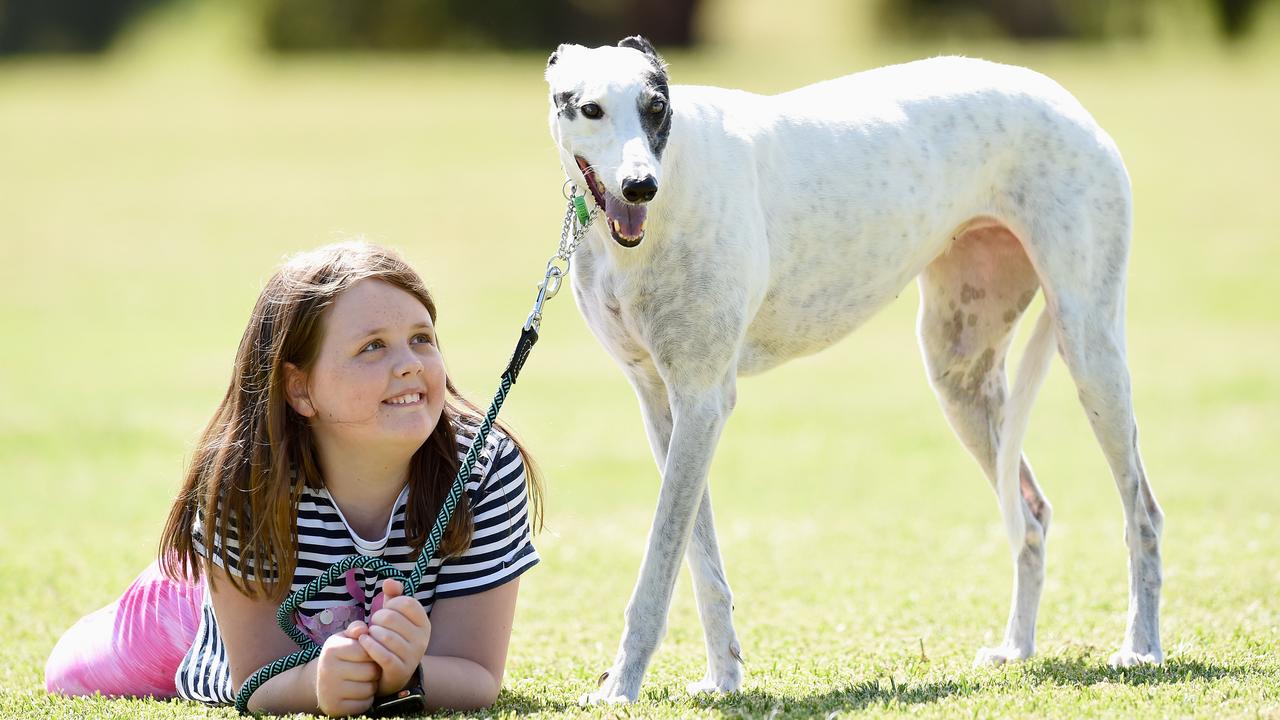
column 500, row 550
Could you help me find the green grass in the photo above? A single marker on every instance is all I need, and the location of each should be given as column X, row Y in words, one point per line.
column 142, row 206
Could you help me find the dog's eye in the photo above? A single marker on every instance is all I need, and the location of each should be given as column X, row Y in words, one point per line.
column 658, row 106
column 592, row 111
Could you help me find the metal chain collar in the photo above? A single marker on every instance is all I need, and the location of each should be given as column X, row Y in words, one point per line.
column 571, row 235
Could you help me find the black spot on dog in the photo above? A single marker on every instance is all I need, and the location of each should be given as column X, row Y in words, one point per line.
column 657, row 125
column 567, row 103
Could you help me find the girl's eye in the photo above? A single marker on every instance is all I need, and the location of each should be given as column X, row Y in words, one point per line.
column 592, row 111
column 373, row 345
column 658, row 106
column 424, row 338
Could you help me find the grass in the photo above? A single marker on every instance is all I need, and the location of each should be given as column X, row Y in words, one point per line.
column 143, row 206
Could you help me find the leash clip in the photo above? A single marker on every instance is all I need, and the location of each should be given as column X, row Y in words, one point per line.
column 547, row 289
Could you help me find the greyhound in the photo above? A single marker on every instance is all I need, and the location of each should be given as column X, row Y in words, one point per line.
column 743, row 230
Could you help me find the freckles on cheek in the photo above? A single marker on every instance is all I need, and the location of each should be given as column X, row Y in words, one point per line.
column 348, row 397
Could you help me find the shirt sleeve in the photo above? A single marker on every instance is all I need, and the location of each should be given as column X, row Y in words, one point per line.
column 501, row 545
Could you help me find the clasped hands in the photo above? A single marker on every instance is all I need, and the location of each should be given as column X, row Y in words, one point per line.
column 367, row 661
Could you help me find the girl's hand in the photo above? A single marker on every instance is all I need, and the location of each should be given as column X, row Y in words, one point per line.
column 346, row 677
column 397, row 637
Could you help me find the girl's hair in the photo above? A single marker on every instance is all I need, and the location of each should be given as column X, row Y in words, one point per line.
column 257, row 454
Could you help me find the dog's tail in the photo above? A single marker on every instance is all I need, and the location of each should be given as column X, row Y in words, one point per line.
column 1017, row 415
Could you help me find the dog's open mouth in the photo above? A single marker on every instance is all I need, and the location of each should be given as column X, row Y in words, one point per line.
column 626, row 220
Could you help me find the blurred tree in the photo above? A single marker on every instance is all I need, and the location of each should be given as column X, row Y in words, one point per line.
column 1044, row 19
column 1021, row 19
column 1235, row 17
column 74, row 26
column 430, row 24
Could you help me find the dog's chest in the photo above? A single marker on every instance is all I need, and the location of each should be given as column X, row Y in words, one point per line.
column 606, row 299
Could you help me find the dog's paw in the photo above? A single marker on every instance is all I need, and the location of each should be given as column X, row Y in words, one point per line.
column 710, row 686
column 724, row 674
column 1131, row 658
column 988, row 657
column 609, row 692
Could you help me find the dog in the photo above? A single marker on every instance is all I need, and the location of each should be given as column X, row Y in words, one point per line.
column 741, row 230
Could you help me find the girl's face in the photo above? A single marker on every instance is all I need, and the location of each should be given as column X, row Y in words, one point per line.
column 378, row 382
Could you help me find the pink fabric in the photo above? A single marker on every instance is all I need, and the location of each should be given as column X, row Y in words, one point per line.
column 133, row 646
column 333, row 620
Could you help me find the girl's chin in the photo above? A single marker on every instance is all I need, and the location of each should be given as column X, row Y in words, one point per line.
column 408, row 432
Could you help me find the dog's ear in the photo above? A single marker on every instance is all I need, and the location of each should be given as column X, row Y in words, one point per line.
column 637, row 42
column 555, row 56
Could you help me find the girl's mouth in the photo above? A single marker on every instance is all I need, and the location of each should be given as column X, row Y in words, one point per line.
column 412, row 398
column 626, row 220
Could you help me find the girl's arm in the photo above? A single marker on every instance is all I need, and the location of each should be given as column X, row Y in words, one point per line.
column 340, row 682
column 467, row 654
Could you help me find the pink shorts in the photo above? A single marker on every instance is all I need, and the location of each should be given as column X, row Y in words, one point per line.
column 133, row 646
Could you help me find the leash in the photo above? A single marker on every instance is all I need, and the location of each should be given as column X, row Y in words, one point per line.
column 576, row 221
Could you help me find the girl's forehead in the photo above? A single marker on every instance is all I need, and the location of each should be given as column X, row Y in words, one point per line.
column 376, row 303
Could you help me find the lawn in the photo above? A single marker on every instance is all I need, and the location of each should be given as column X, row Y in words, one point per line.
column 143, row 204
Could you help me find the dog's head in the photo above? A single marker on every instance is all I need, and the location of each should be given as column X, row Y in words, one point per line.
column 610, row 118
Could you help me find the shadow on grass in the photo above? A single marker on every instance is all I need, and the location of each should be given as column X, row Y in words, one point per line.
column 526, row 704
column 880, row 693
column 1081, row 671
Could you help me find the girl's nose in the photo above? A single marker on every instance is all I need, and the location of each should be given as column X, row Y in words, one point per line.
column 408, row 364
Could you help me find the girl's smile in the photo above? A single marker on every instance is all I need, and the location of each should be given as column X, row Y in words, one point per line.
column 413, row 398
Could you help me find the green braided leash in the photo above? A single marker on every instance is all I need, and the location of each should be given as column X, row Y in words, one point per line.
column 575, row 215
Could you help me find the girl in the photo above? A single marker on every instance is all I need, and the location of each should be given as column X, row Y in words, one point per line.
column 340, row 434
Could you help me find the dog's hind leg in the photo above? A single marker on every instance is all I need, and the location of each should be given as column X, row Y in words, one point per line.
column 970, row 300
column 710, row 584
column 1084, row 283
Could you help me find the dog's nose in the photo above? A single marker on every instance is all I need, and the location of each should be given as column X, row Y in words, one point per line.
column 641, row 190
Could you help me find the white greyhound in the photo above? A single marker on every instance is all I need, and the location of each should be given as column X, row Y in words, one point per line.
column 773, row 226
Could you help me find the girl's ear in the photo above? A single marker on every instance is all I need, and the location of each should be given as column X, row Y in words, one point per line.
column 295, row 389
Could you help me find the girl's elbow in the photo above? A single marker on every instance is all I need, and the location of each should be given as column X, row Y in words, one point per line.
column 488, row 695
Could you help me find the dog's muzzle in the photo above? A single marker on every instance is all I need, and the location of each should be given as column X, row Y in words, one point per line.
column 626, row 215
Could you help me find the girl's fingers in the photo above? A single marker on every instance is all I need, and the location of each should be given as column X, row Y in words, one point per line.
column 356, row 689
column 410, row 608
column 346, row 649
column 396, row 622
column 379, row 652
column 367, row 671
column 356, row 629
column 394, row 642
column 392, row 589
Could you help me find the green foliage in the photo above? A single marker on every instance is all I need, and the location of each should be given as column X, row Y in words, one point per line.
column 143, row 207
column 64, row 26
column 453, row 24
column 1050, row 19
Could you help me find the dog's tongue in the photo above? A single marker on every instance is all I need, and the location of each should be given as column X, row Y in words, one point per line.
column 630, row 218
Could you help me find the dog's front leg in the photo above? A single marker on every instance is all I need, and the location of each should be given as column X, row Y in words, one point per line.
column 710, row 584
column 699, row 417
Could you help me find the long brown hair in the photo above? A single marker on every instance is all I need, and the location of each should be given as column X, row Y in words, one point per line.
column 257, row 454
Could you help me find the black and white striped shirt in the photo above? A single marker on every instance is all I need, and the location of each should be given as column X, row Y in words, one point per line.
column 501, row 549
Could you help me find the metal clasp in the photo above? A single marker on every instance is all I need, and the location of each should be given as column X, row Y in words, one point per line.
column 547, row 289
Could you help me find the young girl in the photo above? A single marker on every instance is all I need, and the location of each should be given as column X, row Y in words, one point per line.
column 340, row 434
